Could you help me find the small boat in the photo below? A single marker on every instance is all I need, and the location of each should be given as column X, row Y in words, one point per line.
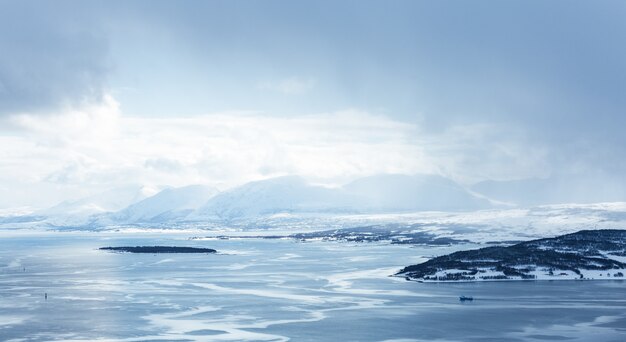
column 464, row 298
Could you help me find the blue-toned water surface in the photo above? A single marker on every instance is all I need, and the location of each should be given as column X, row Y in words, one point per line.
column 277, row 290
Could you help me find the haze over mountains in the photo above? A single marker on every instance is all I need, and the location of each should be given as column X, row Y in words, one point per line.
column 75, row 212
column 380, row 194
column 553, row 190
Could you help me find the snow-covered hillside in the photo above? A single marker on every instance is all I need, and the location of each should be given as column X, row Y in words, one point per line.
column 587, row 254
column 290, row 203
column 168, row 205
column 267, row 197
column 82, row 211
column 377, row 194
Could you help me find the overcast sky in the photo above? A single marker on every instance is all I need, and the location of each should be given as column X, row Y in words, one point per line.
column 102, row 94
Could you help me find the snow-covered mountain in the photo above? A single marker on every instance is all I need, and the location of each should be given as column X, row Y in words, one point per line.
column 377, row 194
column 266, row 197
column 78, row 212
column 169, row 204
column 254, row 200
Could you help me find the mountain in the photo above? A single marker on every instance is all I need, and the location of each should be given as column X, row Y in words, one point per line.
column 376, row 194
column 590, row 254
column 78, row 212
column 167, row 205
column 271, row 196
column 265, row 198
column 553, row 190
column 401, row 193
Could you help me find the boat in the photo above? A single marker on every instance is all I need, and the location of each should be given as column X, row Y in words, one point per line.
column 464, row 298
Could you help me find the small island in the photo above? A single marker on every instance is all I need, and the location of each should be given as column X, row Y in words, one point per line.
column 587, row 254
column 158, row 249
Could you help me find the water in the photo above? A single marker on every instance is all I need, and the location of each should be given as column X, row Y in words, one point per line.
column 277, row 290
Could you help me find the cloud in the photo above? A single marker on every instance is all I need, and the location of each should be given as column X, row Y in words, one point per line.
column 95, row 147
column 476, row 152
column 289, row 86
column 50, row 60
column 501, row 92
column 163, row 164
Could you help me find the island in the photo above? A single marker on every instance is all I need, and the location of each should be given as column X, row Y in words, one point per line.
column 158, row 249
column 587, row 254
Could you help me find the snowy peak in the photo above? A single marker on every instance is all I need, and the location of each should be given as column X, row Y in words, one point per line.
column 291, row 194
column 82, row 211
column 168, row 204
column 111, row 200
column 384, row 193
column 266, row 197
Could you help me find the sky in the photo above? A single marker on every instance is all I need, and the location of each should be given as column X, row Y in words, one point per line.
column 98, row 95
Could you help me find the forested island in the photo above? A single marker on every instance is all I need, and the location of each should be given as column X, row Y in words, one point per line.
column 158, row 249
column 587, row 254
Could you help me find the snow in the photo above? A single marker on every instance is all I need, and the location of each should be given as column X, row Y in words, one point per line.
column 168, row 204
column 274, row 197
column 112, row 200
column 283, row 196
column 81, row 211
column 450, row 271
column 486, row 274
column 291, row 204
column 615, row 257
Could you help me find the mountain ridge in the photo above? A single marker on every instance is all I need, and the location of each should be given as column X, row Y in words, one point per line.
column 386, row 193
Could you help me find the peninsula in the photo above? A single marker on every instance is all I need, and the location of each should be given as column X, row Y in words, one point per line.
column 587, row 254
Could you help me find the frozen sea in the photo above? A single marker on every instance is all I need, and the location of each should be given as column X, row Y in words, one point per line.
column 277, row 290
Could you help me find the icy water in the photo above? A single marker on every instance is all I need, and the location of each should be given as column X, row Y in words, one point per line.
column 277, row 290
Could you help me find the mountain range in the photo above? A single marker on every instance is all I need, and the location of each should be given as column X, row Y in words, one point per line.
column 379, row 194
column 389, row 193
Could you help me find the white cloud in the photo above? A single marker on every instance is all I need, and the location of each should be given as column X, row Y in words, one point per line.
column 289, row 86
column 163, row 164
column 83, row 151
column 472, row 153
